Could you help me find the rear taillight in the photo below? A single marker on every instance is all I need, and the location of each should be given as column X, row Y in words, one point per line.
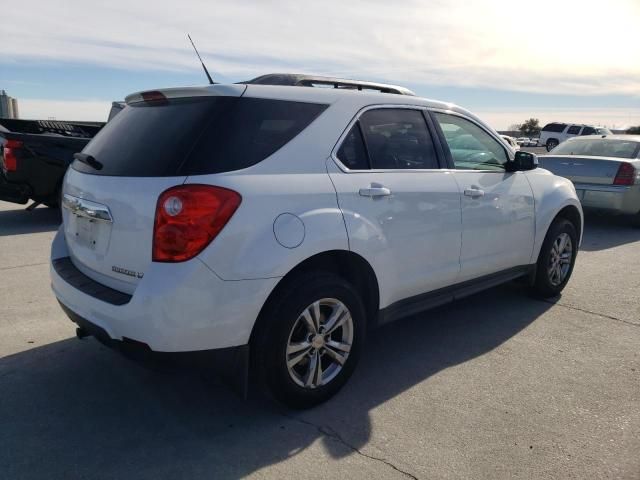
column 10, row 157
column 626, row 175
column 188, row 218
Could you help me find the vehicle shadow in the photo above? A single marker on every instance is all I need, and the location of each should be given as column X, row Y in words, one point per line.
column 602, row 232
column 19, row 221
column 75, row 409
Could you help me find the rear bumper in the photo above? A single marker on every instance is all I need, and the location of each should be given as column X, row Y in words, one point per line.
column 181, row 307
column 13, row 192
column 232, row 363
column 610, row 198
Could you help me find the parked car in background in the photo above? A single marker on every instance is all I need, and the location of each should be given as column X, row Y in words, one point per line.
column 605, row 171
column 512, row 142
column 533, row 142
column 522, row 141
column 35, row 155
column 553, row 134
column 284, row 220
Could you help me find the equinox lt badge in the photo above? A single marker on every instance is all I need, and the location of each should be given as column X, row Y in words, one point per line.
column 130, row 273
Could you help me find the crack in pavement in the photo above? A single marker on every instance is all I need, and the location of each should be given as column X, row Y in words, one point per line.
column 609, row 317
column 26, row 265
column 331, row 433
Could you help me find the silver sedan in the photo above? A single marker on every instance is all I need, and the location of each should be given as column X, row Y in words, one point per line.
column 605, row 170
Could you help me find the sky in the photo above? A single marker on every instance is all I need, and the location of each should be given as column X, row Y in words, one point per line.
column 506, row 60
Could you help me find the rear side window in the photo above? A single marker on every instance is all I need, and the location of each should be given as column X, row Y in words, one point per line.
column 352, row 153
column 398, row 139
column 573, row 130
column 196, row 136
column 554, row 127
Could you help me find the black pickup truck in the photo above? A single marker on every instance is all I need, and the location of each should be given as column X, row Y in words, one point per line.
column 35, row 154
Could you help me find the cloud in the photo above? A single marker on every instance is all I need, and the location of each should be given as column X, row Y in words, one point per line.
column 585, row 49
column 78, row 110
column 617, row 118
column 98, row 110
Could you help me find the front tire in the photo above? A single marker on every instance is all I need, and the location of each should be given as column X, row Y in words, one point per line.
column 310, row 339
column 556, row 259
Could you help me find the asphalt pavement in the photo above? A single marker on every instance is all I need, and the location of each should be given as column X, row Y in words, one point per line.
column 499, row 385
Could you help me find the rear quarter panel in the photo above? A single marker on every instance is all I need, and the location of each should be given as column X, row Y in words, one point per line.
column 247, row 248
column 294, row 180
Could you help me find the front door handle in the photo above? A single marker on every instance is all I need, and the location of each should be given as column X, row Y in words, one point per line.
column 473, row 192
column 375, row 190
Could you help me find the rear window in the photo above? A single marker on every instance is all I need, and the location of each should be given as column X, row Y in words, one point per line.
column 554, row 127
column 599, row 147
column 196, row 136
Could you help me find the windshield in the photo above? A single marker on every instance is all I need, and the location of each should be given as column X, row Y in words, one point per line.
column 599, row 147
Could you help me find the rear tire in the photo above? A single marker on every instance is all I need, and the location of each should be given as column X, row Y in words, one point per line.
column 551, row 144
column 295, row 336
column 556, row 259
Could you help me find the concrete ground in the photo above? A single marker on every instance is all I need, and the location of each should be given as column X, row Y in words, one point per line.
column 495, row 386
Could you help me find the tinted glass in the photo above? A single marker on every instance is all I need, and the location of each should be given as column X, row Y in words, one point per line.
column 398, row 139
column 471, row 147
column 588, row 131
column 352, row 153
column 573, row 130
column 599, row 147
column 196, row 136
column 554, row 127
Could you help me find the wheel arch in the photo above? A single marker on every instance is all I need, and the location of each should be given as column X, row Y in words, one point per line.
column 571, row 213
column 348, row 265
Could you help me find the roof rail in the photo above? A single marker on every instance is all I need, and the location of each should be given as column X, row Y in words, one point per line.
column 300, row 80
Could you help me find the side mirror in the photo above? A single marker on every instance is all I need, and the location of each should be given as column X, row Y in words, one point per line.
column 522, row 162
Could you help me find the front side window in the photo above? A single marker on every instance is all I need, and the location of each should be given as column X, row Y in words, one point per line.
column 398, row 139
column 574, row 130
column 588, row 131
column 471, row 147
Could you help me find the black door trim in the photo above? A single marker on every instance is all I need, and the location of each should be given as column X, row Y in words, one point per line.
column 426, row 301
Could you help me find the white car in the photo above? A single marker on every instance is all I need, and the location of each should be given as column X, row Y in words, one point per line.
column 553, row 134
column 284, row 221
column 511, row 141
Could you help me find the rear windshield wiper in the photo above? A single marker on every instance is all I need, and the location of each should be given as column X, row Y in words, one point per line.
column 88, row 160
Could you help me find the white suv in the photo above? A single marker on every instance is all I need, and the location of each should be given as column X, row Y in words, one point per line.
column 284, row 221
column 553, row 134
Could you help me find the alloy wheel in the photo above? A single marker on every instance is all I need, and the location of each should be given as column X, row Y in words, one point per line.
column 319, row 343
column 560, row 259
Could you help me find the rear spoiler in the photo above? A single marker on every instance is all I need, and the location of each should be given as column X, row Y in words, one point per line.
column 65, row 129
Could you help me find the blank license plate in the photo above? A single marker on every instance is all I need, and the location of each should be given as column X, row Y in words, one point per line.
column 86, row 231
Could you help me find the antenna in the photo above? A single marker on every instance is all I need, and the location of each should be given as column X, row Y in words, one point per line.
column 211, row 82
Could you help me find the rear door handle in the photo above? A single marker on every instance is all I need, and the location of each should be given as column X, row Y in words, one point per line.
column 375, row 190
column 473, row 192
